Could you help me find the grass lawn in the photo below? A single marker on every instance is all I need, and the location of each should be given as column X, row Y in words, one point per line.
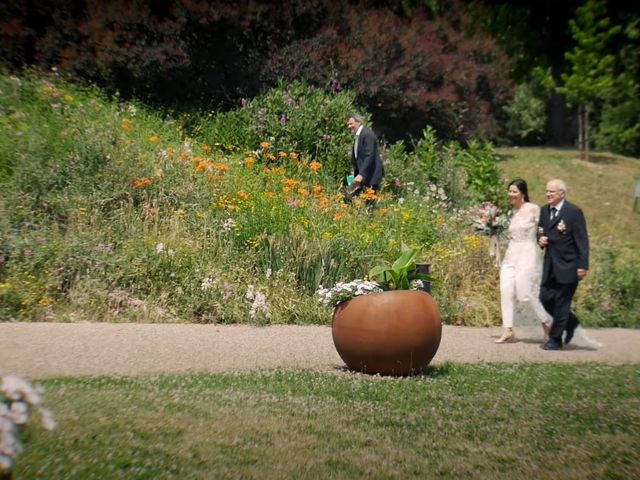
column 458, row 421
column 603, row 187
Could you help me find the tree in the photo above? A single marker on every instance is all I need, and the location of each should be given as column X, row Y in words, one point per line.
column 591, row 68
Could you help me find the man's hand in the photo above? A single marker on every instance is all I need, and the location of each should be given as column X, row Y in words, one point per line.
column 358, row 178
column 581, row 273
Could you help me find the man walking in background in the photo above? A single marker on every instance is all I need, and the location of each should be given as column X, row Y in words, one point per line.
column 563, row 234
column 365, row 159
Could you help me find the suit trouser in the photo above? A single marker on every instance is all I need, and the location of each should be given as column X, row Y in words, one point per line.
column 556, row 299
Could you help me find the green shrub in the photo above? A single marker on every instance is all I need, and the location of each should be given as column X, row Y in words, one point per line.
column 292, row 117
column 610, row 295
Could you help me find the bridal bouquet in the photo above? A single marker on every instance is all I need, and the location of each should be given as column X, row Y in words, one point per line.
column 488, row 219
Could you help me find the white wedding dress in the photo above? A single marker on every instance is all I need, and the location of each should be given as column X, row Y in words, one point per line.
column 520, row 276
column 521, row 271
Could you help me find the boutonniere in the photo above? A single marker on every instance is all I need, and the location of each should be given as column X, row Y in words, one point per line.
column 562, row 227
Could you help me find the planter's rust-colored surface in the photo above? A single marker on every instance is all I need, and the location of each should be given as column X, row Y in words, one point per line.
column 392, row 333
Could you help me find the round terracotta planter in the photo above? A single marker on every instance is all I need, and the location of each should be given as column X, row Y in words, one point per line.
column 391, row 333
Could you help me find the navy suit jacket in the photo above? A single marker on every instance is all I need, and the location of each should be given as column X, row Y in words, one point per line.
column 368, row 163
column 568, row 248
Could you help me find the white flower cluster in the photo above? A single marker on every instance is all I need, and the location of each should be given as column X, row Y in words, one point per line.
column 259, row 304
column 228, row 225
column 16, row 396
column 343, row 291
column 207, row 284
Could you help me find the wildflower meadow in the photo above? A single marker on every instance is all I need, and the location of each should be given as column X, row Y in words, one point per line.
column 111, row 211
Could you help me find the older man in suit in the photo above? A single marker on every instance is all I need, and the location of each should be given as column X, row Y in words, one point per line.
column 365, row 159
column 563, row 234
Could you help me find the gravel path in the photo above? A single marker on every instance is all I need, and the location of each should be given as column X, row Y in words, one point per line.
column 44, row 350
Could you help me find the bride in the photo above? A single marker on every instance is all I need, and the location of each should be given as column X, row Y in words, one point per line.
column 521, row 268
column 521, row 272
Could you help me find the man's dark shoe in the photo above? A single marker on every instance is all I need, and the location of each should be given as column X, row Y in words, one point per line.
column 552, row 345
column 568, row 335
column 571, row 327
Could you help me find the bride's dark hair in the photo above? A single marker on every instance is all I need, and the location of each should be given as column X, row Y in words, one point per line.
column 522, row 186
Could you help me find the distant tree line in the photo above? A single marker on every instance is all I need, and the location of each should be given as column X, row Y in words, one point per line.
column 466, row 68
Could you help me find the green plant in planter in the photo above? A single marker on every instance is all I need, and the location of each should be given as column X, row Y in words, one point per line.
column 401, row 274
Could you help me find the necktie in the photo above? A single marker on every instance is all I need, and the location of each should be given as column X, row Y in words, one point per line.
column 554, row 212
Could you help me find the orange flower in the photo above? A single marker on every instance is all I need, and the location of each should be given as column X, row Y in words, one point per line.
column 154, row 138
column 248, row 161
column 271, row 157
column 293, row 156
column 317, row 189
column 206, row 148
column 282, row 154
column 290, row 182
column 369, row 194
column 265, row 145
column 140, row 182
column 382, row 212
column 338, row 216
column 286, row 189
column 242, row 195
column 219, row 166
column 270, row 194
column 315, row 166
column 127, row 124
column 304, row 192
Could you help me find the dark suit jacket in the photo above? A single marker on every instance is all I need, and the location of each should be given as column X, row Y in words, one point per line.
column 568, row 248
column 368, row 164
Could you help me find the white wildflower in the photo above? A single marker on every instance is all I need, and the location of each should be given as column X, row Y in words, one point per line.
column 207, row 284
column 228, row 225
column 159, row 248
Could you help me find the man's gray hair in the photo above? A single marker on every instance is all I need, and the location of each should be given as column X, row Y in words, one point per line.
column 357, row 117
column 560, row 184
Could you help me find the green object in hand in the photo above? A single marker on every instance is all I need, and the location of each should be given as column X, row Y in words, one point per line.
column 350, row 179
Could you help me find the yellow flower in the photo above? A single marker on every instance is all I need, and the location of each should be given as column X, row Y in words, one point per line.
column 127, row 124
column 382, row 212
column 315, row 166
column 68, row 98
column 327, row 234
column 154, row 138
column 265, row 145
column 248, row 161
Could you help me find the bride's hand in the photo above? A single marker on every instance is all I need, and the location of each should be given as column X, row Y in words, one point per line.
column 543, row 241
